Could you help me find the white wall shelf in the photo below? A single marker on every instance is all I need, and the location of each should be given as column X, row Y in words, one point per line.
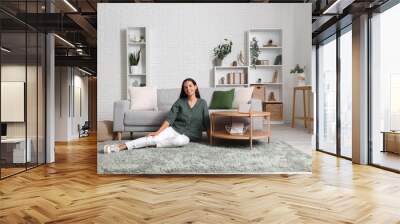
column 137, row 43
column 230, row 67
column 221, row 85
column 264, row 74
column 267, row 83
column 137, row 39
column 270, row 48
column 266, row 66
column 230, row 76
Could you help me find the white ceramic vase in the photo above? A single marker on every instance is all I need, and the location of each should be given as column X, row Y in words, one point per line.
column 218, row 61
column 134, row 69
column 131, row 37
column 301, row 79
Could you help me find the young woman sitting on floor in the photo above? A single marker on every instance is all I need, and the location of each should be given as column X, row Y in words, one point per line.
column 185, row 122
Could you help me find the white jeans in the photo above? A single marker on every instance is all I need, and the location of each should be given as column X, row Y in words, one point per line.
column 167, row 138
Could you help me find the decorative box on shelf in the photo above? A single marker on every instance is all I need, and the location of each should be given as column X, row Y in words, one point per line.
column 259, row 92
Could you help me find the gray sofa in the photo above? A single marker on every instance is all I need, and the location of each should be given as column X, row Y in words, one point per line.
column 126, row 120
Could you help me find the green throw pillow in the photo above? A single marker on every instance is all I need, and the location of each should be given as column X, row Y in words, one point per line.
column 222, row 99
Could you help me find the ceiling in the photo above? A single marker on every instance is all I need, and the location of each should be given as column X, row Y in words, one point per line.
column 77, row 22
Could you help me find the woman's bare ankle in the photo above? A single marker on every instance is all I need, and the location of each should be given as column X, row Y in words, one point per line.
column 122, row 147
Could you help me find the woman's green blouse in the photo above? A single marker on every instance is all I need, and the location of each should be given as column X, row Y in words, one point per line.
column 189, row 121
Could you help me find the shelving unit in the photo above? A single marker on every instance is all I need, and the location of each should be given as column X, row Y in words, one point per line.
column 137, row 39
column 263, row 74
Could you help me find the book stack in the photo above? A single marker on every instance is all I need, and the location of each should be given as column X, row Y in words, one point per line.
column 236, row 128
column 235, row 78
column 242, row 80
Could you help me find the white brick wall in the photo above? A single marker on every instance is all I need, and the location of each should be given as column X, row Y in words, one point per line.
column 182, row 37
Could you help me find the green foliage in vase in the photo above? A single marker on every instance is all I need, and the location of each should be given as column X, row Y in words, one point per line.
column 297, row 69
column 134, row 58
column 254, row 51
column 222, row 50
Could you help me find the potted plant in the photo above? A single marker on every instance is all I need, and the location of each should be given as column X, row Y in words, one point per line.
column 221, row 51
column 300, row 74
column 254, row 52
column 134, row 59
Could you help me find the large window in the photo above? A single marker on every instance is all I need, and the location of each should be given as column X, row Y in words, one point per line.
column 335, row 74
column 385, row 89
column 346, row 93
column 327, row 96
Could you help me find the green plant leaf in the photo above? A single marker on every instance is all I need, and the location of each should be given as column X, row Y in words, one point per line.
column 222, row 50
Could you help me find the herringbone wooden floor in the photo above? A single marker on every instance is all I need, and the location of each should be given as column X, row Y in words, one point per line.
column 70, row 191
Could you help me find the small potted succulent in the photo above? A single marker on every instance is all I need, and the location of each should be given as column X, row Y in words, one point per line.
column 221, row 51
column 299, row 72
column 134, row 59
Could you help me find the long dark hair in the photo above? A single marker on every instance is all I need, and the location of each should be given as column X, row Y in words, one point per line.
column 183, row 94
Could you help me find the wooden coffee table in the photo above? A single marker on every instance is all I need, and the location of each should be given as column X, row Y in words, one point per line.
column 250, row 134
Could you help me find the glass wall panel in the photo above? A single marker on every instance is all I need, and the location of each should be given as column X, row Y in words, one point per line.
column 22, row 66
column 31, row 97
column 327, row 96
column 41, row 98
column 32, row 71
column 385, row 89
column 346, row 94
column 13, row 86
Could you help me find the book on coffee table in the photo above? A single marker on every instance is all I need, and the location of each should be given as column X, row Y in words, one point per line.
column 237, row 128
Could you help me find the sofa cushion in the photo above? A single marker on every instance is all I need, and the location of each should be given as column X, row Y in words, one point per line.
column 167, row 97
column 164, row 108
column 150, row 118
column 206, row 94
column 242, row 96
column 222, row 99
column 143, row 98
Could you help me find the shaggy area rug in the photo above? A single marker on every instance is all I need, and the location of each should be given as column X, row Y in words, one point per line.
column 200, row 158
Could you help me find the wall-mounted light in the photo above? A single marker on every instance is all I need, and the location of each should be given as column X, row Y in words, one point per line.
column 70, row 5
column 5, row 50
column 64, row 40
column 84, row 71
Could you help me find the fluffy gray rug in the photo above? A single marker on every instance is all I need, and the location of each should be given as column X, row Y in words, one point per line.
column 201, row 158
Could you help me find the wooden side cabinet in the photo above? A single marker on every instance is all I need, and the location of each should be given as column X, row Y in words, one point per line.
column 391, row 141
column 276, row 110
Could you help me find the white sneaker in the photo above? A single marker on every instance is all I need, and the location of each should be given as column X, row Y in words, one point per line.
column 110, row 149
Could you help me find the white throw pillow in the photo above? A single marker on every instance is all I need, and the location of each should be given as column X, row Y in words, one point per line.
column 143, row 98
column 242, row 96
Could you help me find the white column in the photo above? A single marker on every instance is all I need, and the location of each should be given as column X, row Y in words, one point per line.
column 50, row 100
column 360, row 90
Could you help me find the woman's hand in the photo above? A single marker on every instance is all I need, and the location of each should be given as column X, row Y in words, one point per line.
column 153, row 133
column 164, row 125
